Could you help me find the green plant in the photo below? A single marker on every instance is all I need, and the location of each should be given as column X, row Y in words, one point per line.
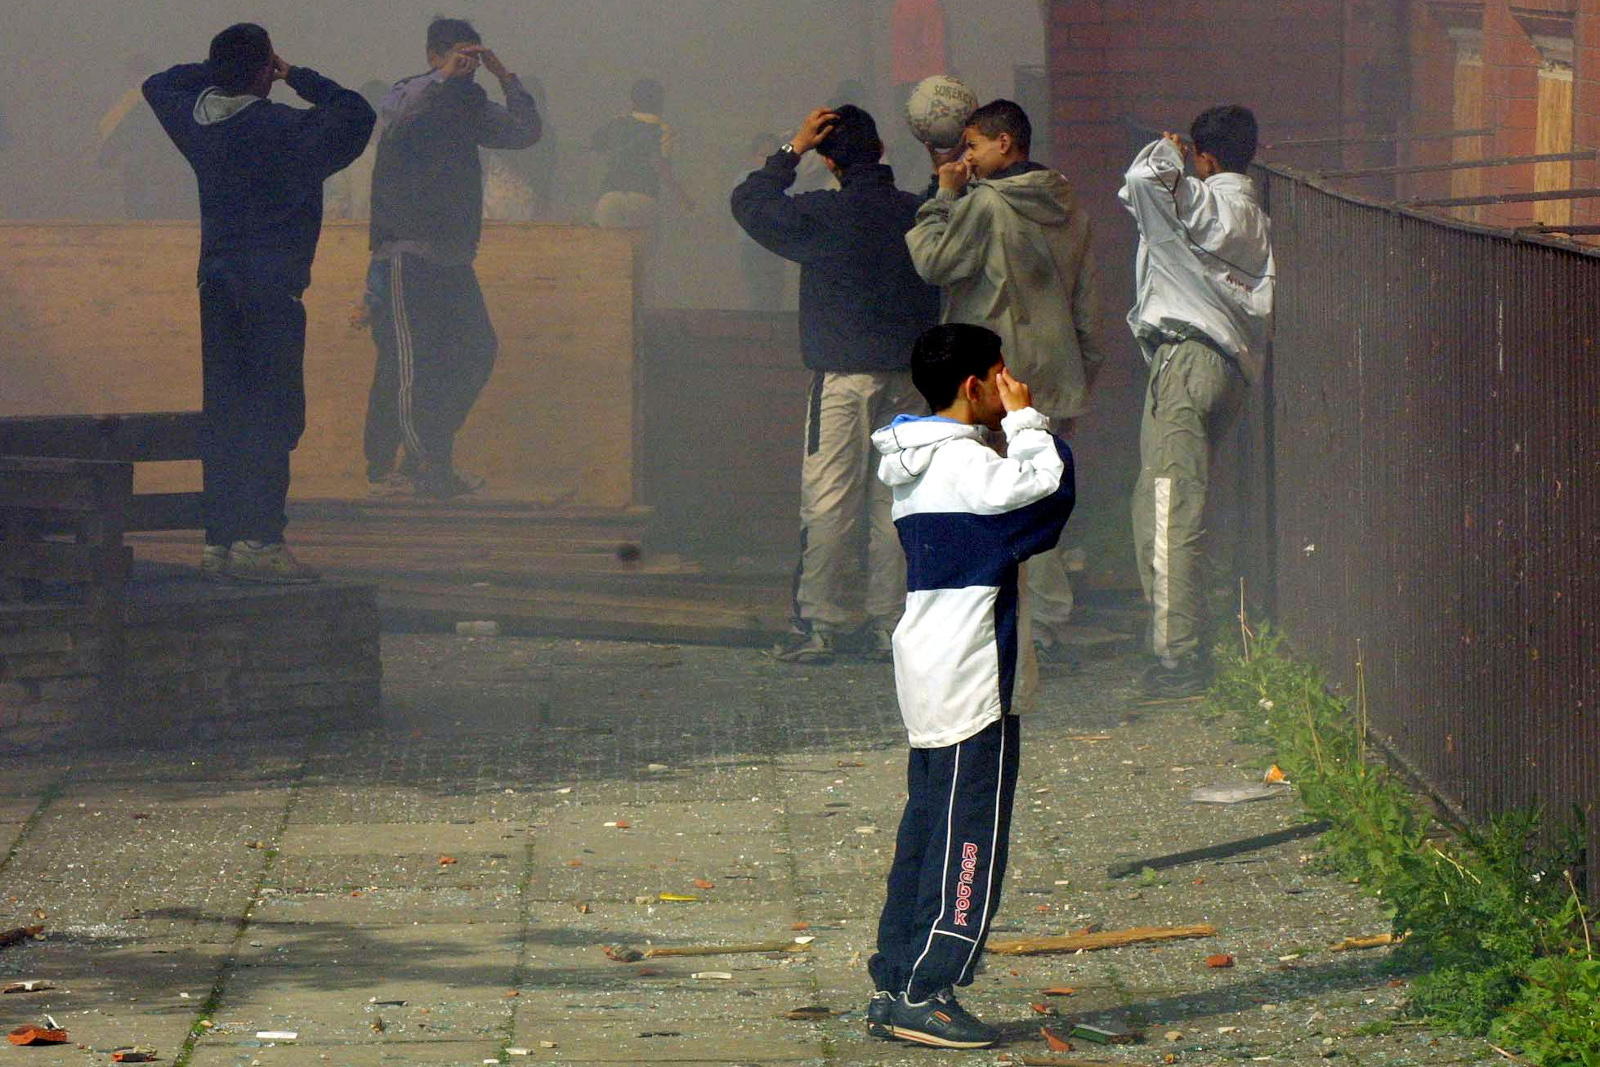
column 1555, row 1022
column 1492, row 937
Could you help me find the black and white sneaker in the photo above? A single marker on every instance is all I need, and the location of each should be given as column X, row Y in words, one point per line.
column 941, row 1022
column 880, row 1015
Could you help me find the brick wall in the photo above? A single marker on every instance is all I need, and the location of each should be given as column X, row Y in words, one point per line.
column 200, row 663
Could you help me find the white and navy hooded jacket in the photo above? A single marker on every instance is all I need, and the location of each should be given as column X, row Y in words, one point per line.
column 967, row 517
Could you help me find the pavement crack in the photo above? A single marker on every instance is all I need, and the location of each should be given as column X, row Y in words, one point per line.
column 229, row 964
column 49, row 796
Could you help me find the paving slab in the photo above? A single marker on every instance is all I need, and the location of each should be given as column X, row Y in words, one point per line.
column 110, row 990
column 320, row 979
column 510, row 755
column 445, row 904
column 226, row 1052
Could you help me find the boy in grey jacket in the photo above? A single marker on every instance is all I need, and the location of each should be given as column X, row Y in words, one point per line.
column 1006, row 239
column 1203, row 317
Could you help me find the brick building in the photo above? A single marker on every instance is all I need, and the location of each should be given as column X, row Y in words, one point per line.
column 1529, row 72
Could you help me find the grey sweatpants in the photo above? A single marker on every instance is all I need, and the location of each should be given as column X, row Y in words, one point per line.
column 839, row 490
column 1192, row 397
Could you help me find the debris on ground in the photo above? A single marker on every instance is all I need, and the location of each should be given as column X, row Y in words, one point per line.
column 798, row 944
column 810, row 1013
column 1220, row 960
column 1056, row 1042
column 21, row 933
column 277, row 1035
column 1217, row 852
column 1237, row 794
column 1101, row 1036
column 134, row 1054
column 38, row 1035
column 36, row 985
column 1104, row 939
column 1376, row 941
column 721, row 976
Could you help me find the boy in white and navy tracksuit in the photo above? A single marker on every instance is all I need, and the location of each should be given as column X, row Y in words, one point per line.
column 967, row 518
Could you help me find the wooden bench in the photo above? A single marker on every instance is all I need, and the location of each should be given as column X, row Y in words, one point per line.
column 143, row 438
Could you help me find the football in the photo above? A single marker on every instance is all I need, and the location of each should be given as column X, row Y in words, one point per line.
column 938, row 108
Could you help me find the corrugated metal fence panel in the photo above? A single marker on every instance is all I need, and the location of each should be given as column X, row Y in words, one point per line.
column 1435, row 455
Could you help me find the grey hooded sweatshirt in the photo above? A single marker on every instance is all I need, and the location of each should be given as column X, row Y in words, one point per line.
column 1012, row 253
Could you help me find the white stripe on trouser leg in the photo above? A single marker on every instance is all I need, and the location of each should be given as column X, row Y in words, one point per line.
column 994, row 848
column 944, row 877
column 403, row 356
column 1161, row 568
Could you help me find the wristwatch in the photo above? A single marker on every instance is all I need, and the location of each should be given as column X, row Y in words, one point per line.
column 787, row 148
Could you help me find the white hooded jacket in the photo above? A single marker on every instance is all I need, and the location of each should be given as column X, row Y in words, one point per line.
column 967, row 518
column 1205, row 258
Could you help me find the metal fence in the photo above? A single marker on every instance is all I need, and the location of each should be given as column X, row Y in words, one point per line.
column 1427, row 451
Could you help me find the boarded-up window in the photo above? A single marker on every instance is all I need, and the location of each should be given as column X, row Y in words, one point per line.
column 1466, row 113
column 1553, row 136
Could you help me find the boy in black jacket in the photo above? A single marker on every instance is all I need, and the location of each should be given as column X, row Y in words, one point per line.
column 435, row 343
column 260, row 168
column 862, row 308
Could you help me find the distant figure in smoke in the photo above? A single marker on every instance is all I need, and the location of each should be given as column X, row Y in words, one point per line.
column 260, row 168
column 862, row 308
column 1203, row 317
column 519, row 184
column 763, row 271
column 156, row 182
column 638, row 150
column 1009, row 242
column 435, row 343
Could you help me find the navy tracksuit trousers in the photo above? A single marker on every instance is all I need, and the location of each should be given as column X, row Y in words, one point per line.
column 252, row 357
column 436, row 348
column 949, row 862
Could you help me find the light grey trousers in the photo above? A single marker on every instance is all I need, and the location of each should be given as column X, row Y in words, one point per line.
column 1192, row 397
column 839, row 492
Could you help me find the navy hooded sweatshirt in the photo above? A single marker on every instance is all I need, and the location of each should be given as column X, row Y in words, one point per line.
column 260, row 166
column 862, row 303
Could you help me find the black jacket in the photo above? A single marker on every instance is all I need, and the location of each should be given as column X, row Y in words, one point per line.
column 862, row 305
column 427, row 182
column 261, row 167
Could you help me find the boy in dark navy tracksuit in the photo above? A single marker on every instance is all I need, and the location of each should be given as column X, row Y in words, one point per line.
column 967, row 517
column 436, row 345
column 260, row 168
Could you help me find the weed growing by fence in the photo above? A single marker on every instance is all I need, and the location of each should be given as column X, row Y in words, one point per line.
column 1496, row 937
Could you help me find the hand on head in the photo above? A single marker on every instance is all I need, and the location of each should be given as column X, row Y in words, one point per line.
column 280, row 69
column 813, row 128
column 1177, row 142
column 459, row 62
column 487, row 57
